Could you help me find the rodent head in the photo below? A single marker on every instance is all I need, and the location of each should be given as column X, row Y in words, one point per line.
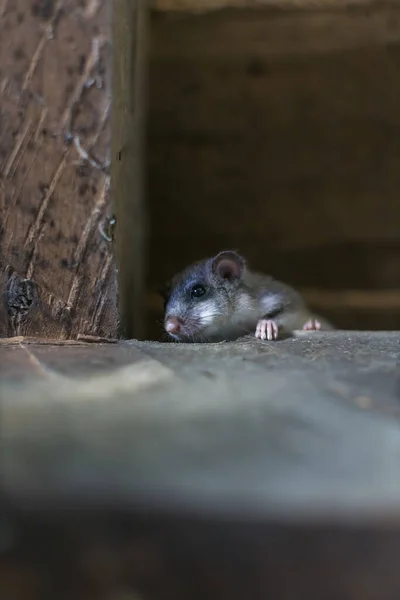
column 200, row 300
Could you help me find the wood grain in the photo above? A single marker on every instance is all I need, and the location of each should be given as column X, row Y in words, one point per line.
column 144, row 471
column 201, row 6
column 129, row 112
column 54, row 167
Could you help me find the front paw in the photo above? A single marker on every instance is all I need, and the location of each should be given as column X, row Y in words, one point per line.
column 267, row 330
column 312, row 325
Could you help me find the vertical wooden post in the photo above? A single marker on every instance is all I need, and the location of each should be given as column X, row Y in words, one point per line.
column 127, row 146
column 57, row 272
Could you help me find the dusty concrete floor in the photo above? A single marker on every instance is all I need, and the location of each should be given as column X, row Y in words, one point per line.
column 273, row 426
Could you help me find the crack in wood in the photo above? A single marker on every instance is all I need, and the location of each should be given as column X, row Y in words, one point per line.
column 91, row 62
column 95, row 339
column 36, row 226
column 86, row 154
column 102, row 295
column 92, row 140
column 81, row 248
column 39, row 128
column 34, row 253
column 18, row 149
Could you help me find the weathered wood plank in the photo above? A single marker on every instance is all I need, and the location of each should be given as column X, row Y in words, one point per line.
column 274, row 35
column 84, row 359
column 54, row 162
column 311, row 391
column 200, row 6
column 209, row 482
column 18, row 364
column 114, row 556
column 129, row 111
column 108, row 368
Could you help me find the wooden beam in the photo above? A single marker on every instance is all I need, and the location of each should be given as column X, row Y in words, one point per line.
column 199, row 6
column 128, row 114
column 243, row 33
column 354, row 299
column 57, row 275
column 157, row 471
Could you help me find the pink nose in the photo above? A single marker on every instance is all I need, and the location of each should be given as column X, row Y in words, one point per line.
column 173, row 325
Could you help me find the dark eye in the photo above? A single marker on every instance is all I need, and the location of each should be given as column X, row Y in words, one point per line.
column 198, row 291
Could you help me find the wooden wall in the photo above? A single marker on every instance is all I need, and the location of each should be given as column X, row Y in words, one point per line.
column 273, row 131
column 276, row 132
column 57, row 274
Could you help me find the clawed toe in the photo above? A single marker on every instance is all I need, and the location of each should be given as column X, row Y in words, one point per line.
column 312, row 325
column 267, row 330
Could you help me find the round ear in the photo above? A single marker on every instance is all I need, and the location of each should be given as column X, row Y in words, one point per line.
column 228, row 265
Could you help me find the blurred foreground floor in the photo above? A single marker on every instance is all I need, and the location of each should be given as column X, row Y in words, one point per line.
column 201, row 471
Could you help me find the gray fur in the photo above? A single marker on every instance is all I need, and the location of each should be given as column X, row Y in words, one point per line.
column 231, row 307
